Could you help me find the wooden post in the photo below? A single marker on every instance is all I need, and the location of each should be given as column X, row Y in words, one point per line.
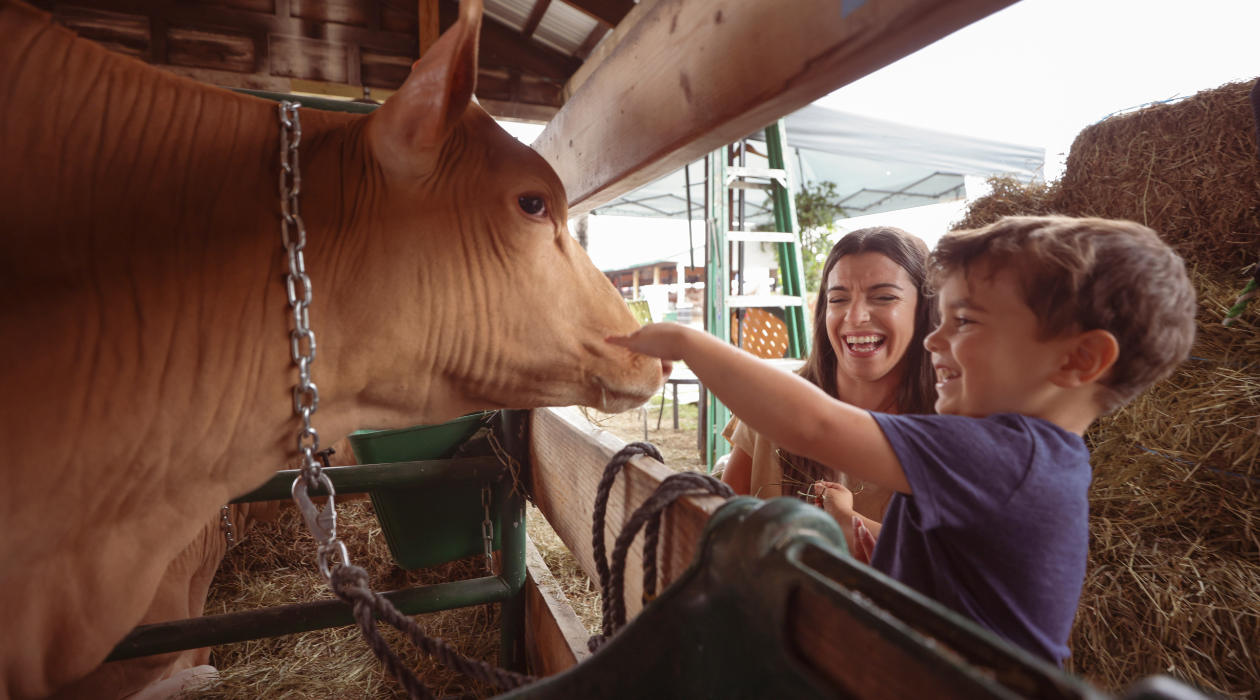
column 567, row 458
column 635, row 296
column 660, row 102
column 429, row 27
column 656, row 274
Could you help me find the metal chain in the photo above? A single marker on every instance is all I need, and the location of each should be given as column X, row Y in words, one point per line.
column 322, row 524
column 487, row 530
column 225, row 524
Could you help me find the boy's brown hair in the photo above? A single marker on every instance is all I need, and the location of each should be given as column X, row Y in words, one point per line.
column 1086, row 274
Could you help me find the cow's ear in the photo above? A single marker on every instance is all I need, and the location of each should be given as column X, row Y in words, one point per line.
column 406, row 131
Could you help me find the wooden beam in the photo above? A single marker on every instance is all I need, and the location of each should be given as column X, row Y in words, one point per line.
column 429, row 24
column 555, row 638
column 535, row 17
column 504, row 48
column 658, row 101
column 608, row 11
column 568, row 457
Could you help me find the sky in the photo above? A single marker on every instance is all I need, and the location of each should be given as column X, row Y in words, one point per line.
column 1038, row 72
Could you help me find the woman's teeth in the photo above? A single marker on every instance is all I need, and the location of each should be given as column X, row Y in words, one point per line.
column 944, row 375
column 863, row 339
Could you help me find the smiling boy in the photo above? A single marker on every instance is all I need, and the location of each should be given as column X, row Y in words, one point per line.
column 1048, row 323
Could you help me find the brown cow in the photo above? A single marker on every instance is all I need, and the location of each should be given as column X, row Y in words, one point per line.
column 144, row 366
column 181, row 594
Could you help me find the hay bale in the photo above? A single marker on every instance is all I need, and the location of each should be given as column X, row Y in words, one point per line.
column 1008, row 197
column 1188, row 169
column 275, row 565
column 1173, row 581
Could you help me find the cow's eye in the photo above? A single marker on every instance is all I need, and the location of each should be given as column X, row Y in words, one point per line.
column 534, row 206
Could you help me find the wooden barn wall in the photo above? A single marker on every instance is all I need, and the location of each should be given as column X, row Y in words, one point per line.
column 265, row 44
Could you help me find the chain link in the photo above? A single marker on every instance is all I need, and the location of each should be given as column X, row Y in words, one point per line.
column 487, row 530
column 297, row 285
column 225, row 524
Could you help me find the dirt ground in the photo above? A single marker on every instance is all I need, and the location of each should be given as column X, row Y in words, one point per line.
column 678, row 447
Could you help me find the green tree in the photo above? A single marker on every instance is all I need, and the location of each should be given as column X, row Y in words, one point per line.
column 817, row 208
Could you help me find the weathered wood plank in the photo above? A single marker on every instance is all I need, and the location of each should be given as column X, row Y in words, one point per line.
column 250, row 81
column 689, row 77
column 127, row 34
column 311, row 59
column 216, row 50
column 857, row 660
column 568, row 457
column 555, row 638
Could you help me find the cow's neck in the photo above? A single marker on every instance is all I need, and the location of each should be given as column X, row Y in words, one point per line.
column 142, row 245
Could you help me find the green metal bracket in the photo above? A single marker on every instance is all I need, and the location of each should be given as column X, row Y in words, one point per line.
column 773, row 607
column 431, row 477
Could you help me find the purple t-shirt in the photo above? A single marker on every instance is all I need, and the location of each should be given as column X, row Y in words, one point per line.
column 998, row 526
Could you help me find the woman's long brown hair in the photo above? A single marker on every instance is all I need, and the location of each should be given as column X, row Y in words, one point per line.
column 917, row 391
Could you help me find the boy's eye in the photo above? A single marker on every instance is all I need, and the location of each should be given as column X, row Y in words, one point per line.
column 962, row 320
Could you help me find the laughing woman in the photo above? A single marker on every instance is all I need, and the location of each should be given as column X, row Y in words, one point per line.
column 871, row 318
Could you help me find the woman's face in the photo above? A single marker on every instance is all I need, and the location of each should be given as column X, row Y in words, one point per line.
column 870, row 315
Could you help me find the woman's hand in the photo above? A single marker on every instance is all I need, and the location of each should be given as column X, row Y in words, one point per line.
column 863, row 541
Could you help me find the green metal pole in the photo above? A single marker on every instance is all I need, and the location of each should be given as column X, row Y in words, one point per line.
column 717, row 286
column 789, row 254
column 512, row 550
column 213, row 630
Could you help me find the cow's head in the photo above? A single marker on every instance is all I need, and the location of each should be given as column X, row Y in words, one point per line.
column 506, row 306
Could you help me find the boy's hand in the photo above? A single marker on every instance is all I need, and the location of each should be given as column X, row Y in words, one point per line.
column 663, row 340
column 838, row 502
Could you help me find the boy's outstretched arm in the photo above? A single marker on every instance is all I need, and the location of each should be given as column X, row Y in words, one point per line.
column 788, row 410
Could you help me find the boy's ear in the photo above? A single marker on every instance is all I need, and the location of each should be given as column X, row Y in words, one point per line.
column 1091, row 355
column 407, row 130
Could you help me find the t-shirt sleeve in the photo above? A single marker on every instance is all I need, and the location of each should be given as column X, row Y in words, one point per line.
column 740, row 435
column 960, row 469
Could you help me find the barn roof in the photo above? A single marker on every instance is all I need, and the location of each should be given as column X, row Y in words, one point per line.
column 529, row 49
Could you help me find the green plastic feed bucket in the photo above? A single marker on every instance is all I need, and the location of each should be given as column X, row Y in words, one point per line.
column 427, row 526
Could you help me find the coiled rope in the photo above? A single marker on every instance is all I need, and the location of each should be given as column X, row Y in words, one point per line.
column 350, row 583
column 612, row 580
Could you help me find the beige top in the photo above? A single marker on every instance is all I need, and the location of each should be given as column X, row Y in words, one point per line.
column 869, row 500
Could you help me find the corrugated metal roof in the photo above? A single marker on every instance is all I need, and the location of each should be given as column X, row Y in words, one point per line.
column 564, row 27
column 513, row 13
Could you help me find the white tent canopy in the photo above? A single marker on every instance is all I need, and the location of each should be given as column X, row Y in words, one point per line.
column 876, row 165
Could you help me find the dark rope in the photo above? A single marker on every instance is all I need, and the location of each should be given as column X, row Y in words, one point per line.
column 350, row 583
column 648, row 514
column 602, row 493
